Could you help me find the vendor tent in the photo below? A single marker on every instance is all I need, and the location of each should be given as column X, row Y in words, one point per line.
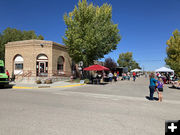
column 96, row 68
column 164, row 69
column 136, row 70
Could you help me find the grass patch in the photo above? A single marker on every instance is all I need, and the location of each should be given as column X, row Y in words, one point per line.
column 74, row 80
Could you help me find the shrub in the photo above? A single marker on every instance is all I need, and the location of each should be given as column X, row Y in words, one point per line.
column 86, row 81
column 38, row 81
column 76, row 80
column 48, row 81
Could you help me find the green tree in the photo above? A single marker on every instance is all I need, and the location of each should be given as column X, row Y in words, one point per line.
column 110, row 63
column 10, row 34
column 134, row 65
column 173, row 52
column 126, row 60
column 90, row 32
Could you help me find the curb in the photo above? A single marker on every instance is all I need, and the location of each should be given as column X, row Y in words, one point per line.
column 20, row 87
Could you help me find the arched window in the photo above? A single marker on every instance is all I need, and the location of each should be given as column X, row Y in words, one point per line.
column 60, row 64
column 18, row 64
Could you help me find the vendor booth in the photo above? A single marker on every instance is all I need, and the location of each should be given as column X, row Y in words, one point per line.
column 165, row 70
column 136, row 70
column 96, row 79
column 165, row 73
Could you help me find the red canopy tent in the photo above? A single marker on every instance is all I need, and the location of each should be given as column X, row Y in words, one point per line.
column 96, row 68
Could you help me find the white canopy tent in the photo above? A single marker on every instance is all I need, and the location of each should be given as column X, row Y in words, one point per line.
column 136, row 70
column 164, row 69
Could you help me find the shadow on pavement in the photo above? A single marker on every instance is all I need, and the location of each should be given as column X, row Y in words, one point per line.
column 148, row 98
column 7, row 87
column 174, row 88
column 97, row 84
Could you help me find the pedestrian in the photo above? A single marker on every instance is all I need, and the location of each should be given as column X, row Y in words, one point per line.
column 157, row 74
column 160, row 89
column 115, row 76
column 110, row 75
column 124, row 76
column 128, row 75
column 152, row 85
column 134, row 76
column 99, row 77
column 169, row 78
column 7, row 73
column 145, row 74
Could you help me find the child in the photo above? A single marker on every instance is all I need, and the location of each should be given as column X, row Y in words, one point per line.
column 160, row 88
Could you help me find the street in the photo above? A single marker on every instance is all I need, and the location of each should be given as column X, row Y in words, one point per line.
column 120, row 108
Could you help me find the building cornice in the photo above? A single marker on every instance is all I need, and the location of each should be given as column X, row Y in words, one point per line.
column 34, row 42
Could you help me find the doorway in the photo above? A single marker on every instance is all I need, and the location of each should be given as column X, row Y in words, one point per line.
column 42, row 65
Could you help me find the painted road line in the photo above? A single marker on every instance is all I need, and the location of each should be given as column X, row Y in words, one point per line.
column 40, row 87
column 19, row 87
column 74, row 85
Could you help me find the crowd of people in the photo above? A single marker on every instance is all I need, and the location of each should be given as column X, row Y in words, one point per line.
column 166, row 77
column 99, row 76
column 169, row 78
column 106, row 77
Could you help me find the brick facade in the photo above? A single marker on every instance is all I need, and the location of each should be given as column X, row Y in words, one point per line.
column 30, row 49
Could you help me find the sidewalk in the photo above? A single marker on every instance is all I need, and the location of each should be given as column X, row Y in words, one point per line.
column 59, row 84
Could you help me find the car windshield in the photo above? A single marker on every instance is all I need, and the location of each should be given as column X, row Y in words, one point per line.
column 2, row 69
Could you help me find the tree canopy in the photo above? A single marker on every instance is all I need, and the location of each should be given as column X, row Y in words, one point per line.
column 11, row 34
column 90, row 32
column 173, row 52
column 110, row 63
column 126, row 60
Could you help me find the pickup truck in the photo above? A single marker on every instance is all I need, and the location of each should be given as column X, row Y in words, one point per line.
column 4, row 79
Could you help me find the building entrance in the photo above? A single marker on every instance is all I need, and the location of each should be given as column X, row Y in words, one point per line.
column 42, row 65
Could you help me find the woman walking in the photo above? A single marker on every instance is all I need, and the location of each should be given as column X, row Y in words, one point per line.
column 160, row 89
column 134, row 76
column 152, row 86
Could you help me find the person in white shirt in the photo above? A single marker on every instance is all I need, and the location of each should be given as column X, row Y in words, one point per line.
column 110, row 75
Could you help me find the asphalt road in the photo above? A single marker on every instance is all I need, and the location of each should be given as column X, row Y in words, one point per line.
column 113, row 109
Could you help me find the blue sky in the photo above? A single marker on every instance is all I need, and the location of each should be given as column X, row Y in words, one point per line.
column 145, row 25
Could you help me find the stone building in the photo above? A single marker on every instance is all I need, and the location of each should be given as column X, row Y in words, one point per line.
column 37, row 58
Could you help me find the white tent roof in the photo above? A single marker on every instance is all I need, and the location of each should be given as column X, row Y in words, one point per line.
column 136, row 70
column 164, row 69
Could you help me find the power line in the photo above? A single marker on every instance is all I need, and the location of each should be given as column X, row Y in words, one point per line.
column 149, row 60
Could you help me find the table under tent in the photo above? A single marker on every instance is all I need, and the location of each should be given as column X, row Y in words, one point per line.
column 137, row 71
column 164, row 73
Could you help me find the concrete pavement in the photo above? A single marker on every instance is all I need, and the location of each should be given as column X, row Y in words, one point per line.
column 118, row 108
column 59, row 84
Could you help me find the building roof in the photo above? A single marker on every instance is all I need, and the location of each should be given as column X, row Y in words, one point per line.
column 34, row 41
